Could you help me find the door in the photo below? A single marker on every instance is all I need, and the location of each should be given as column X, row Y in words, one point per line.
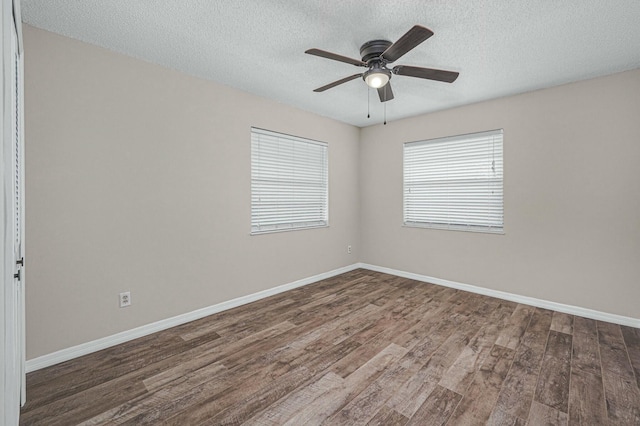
column 12, row 318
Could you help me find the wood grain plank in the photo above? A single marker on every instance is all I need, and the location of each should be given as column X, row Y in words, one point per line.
column 562, row 323
column 73, row 409
column 87, row 364
column 585, row 325
column 458, row 377
column 437, row 408
column 500, row 418
column 362, row 408
column 239, row 319
column 444, row 344
column 328, row 404
column 107, row 386
column 320, row 332
column 586, row 399
column 198, row 385
column 204, row 379
column 368, row 348
column 249, row 395
column 329, row 311
column 372, row 399
column 519, row 386
column 426, row 324
column 233, row 320
column 559, row 345
column 553, row 382
column 538, row 330
column 541, row 414
column 613, row 351
column 217, row 353
column 412, row 394
column 512, row 333
column 586, row 354
column 623, row 399
column 388, row 417
column 255, row 371
column 312, row 394
column 480, row 399
column 632, row 341
column 108, row 369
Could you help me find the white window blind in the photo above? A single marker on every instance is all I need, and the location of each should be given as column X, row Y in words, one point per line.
column 289, row 182
column 455, row 182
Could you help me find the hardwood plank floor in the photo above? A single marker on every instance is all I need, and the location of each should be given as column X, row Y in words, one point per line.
column 359, row 348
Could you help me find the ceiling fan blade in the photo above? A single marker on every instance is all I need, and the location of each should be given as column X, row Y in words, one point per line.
column 428, row 73
column 385, row 93
column 336, row 83
column 411, row 39
column 335, row 57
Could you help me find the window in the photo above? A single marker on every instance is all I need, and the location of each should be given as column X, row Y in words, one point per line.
column 289, row 182
column 455, row 183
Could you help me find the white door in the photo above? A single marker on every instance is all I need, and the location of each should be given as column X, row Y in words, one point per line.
column 12, row 318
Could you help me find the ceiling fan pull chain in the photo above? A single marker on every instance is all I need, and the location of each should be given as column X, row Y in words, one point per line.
column 368, row 102
column 385, row 109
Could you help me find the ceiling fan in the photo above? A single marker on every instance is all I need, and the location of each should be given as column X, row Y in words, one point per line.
column 376, row 54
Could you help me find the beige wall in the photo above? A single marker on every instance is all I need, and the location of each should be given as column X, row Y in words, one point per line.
column 138, row 178
column 571, row 203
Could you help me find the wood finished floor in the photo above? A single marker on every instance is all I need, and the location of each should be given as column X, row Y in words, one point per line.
column 359, row 348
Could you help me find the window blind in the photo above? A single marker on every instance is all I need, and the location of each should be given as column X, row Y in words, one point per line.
column 455, row 182
column 289, row 182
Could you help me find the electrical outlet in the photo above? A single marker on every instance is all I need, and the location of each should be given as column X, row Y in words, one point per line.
column 125, row 299
column 349, row 249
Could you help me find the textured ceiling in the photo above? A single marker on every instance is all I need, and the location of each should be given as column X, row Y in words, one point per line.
column 500, row 47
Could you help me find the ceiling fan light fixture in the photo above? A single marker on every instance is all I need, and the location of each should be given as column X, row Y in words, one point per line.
column 377, row 77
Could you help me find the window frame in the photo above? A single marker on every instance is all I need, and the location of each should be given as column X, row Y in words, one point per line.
column 321, row 181
column 489, row 226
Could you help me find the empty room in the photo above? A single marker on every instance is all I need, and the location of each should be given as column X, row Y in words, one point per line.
column 337, row 212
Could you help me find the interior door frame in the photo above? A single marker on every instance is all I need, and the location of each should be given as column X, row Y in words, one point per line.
column 12, row 378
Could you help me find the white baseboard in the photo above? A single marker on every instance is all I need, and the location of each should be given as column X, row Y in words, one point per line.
column 532, row 301
column 125, row 336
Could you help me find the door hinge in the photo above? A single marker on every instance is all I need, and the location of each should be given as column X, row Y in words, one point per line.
column 20, row 262
column 17, row 275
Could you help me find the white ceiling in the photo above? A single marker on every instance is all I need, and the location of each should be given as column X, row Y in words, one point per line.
column 500, row 47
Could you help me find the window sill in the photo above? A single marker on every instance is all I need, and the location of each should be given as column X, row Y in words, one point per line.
column 478, row 230
column 274, row 231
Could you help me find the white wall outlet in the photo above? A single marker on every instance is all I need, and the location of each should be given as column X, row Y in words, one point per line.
column 125, row 299
column 349, row 249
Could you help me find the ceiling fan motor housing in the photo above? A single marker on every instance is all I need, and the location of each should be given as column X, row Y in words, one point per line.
column 373, row 49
